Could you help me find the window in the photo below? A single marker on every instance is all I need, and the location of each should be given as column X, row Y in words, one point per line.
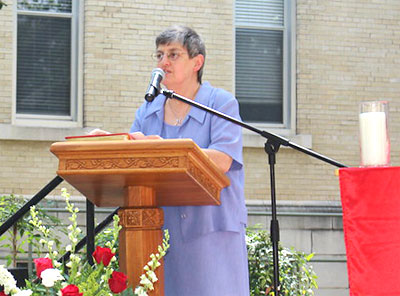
column 264, row 61
column 47, row 52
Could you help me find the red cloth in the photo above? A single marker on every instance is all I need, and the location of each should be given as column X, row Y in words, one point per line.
column 371, row 224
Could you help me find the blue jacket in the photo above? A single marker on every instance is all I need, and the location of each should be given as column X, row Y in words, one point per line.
column 208, row 131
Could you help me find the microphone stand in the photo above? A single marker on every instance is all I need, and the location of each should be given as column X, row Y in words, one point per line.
column 271, row 147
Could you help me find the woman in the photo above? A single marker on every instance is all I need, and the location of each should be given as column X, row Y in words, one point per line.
column 208, row 253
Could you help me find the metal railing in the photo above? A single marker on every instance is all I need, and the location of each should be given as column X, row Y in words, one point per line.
column 91, row 231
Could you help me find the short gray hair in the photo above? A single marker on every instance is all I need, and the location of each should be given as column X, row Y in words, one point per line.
column 188, row 38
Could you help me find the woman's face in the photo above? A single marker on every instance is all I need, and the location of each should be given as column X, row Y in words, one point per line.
column 179, row 68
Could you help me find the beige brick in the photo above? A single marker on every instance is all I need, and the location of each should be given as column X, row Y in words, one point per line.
column 346, row 53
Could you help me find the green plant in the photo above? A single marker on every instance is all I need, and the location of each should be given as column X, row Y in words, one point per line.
column 22, row 232
column 296, row 275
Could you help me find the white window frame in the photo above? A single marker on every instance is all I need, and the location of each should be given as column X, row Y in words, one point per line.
column 288, row 127
column 76, row 118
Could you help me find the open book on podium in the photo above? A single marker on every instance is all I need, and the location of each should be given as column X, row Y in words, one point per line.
column 106, row 137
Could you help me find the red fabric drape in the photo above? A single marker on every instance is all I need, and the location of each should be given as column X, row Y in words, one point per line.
column 371, row 224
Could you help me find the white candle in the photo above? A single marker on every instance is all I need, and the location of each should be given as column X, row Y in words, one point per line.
column 374, row 140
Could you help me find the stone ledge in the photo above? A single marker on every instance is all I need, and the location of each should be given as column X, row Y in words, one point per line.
column 29, row 133
column 296, row 208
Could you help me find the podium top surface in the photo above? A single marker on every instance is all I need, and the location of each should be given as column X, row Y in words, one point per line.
column 104, row 171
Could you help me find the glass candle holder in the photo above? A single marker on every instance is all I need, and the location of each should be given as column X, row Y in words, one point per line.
column 374, row 136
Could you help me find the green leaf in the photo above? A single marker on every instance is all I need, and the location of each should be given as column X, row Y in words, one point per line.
column 127, row 292
column 296, row 274
column 309, row 257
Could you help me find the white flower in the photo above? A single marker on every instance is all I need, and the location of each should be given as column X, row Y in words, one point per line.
column 68, row 248
column 152, row 276
column 146, row 282
column 74, row 258
column 140, row 291
column 7, row 281
column 24, row 293
column 50, row 276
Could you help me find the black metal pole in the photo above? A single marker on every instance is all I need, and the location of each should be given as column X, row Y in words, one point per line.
column 90, row 231
column 272, row 148
column 33, row 201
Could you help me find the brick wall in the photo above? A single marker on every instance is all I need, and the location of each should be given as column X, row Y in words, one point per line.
column 346, row 53
column 6, row 59
column 26, row 167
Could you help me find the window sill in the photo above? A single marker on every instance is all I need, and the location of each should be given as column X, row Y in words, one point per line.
column 254, row 140
column 28, row 133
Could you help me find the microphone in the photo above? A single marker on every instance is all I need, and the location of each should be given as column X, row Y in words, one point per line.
column 154, row 87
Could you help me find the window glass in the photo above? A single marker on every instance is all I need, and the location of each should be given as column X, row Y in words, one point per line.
column 45, row 5
column 44, row 58
column 43, row 65
column 259, row 74
column 260, row 61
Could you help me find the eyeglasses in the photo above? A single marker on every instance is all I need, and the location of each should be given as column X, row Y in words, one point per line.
column 172, row 56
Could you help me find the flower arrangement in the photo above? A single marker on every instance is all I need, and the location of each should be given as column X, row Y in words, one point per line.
column 78, row 277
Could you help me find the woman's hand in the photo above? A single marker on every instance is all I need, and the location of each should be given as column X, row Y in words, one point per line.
column 140, row 136
column 222, row 160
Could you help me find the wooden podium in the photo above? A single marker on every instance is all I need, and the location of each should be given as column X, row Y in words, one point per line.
column 139, row 176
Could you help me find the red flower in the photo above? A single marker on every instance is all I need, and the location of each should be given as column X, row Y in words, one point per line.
column 117, row 282
column 71, row 290
column 42, row 264
column 3, row 294
column 103, row 255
